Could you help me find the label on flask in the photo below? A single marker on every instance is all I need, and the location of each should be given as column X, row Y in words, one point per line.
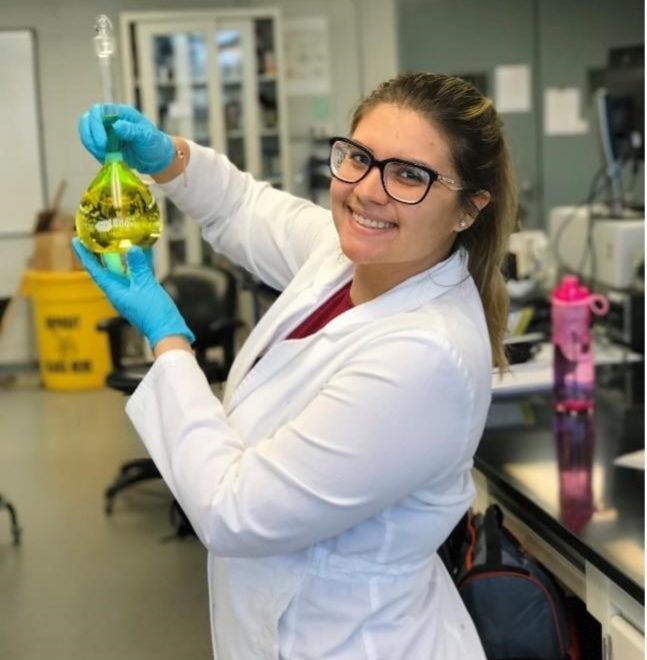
column 103, row 225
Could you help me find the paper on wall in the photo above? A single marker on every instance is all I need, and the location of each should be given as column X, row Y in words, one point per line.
column 512, row 88
column 562, row 111
column 307, row 56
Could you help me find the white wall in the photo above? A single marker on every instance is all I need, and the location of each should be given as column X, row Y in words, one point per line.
column 378, row 54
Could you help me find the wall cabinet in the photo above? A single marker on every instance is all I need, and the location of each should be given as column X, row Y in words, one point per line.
column 214, row 77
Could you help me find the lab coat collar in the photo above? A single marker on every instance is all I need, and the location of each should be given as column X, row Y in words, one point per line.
column 407, row 296
column 303, row 296
column 294, row 305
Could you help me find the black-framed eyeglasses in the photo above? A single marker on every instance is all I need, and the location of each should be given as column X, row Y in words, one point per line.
column 402, row 180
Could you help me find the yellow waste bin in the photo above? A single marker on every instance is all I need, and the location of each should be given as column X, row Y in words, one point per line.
column 73, row 354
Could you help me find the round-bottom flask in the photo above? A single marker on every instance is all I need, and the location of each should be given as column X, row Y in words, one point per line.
column 116, row 212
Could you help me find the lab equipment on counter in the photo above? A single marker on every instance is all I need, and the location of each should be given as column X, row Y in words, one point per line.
column 117, row 210
column 573, row 366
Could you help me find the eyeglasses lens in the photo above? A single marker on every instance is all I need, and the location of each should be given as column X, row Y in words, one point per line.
column 405, row 182
column 402, row 181
column 349, row 163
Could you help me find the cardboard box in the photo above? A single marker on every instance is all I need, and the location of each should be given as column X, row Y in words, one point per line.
column 53, row 251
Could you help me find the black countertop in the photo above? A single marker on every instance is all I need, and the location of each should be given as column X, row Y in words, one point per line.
column 556, row 473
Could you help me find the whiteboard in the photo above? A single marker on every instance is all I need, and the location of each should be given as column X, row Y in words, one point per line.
column 21, row 167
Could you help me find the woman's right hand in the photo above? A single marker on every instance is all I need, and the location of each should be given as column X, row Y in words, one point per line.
column 143, row 146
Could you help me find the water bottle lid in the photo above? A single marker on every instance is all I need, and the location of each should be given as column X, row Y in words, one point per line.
column 571, row 289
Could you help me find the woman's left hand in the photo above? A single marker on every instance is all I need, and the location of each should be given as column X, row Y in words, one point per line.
column 139, row 298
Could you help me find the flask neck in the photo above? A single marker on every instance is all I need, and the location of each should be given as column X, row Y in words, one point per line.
column 114, row 157
column 113, row 143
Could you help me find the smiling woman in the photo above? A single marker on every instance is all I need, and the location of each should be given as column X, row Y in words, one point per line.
column 340, row 457
column 456, row 126
column 410, row 236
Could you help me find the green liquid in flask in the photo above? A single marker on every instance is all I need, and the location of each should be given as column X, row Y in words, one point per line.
column 117, row 210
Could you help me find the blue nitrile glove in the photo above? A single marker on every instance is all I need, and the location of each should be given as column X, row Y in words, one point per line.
column 139, row 298
column 143, row 146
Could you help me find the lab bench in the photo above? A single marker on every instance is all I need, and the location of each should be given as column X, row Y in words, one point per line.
column 572, row 490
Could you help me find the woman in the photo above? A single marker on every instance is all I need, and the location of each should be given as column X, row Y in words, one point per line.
column 340, row 457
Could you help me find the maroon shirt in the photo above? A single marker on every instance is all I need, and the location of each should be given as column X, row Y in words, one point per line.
column 334, row 306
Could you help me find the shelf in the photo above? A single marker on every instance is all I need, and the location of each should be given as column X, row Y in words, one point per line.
column 237, row 133
column 180, row 83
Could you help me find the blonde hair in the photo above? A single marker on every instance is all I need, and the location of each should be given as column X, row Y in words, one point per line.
column 482, row 161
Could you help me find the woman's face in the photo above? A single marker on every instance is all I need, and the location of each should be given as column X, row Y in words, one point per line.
column 410, row 238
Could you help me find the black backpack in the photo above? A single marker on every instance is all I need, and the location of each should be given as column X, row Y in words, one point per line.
column 518, row 609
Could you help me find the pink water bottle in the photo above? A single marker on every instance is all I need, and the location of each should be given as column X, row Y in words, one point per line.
column 573, row 364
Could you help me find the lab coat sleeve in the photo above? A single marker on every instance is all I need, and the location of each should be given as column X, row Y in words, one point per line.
column 269, row 232
column 377, row 431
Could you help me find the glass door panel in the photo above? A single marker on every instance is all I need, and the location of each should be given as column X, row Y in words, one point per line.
column 173, row 58
column 230, row 57
column 216, row 81
column 268, row 106
column 181, row 84
column 238, row 92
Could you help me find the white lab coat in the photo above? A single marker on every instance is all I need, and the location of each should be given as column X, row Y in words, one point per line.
column 324, row 483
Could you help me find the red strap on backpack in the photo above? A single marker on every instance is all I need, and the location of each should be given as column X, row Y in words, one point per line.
column 471, row 534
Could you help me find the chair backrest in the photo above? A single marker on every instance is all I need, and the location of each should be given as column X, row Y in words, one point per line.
column 202, row 293
column 207, row 297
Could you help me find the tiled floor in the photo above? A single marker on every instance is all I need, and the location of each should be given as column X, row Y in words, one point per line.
column 82, row 585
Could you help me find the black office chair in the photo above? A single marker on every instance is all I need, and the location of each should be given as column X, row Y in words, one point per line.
column 207, row 298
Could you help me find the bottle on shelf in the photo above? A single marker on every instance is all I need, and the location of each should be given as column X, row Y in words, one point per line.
column 573, row 362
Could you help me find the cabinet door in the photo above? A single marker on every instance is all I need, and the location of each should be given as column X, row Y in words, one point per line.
column 249, row 96
column 214, row 78
column 175, row 93
column 234, row 41
column 270, row 104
